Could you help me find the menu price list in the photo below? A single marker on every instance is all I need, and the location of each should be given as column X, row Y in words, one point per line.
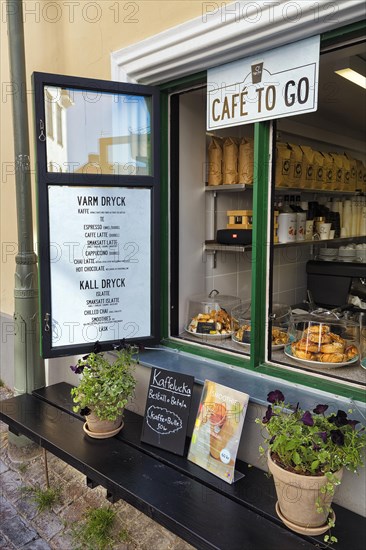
column 100, row 254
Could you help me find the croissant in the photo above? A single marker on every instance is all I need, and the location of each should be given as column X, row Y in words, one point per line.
column 336, row 338
column 301, row 354
column 317, row 328
column 319, row 338
column 306, row 345
column 332, row 357
column 351, row 352
column 336, row 347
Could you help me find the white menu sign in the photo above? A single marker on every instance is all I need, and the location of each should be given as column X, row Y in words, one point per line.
column 278, row 83
column 100, row 248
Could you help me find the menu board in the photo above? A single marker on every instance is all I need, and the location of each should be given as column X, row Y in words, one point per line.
column 217, row 430
column 100, row 263
column 167, row 410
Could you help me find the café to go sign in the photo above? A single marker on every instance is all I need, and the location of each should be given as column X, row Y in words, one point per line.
column 278, row 83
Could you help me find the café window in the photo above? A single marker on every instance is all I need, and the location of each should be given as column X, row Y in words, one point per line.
column 318, row 259
column 212, row 198
column 212, row 195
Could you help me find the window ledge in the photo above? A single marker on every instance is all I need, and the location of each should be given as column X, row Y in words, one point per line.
column 256, row 384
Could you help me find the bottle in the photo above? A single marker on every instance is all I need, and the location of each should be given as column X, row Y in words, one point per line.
column 298, row 205
column 286, row 205
column 280, row 204
column 292, row 204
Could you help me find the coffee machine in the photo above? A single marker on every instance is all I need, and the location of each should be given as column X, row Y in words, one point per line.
column 337, row 284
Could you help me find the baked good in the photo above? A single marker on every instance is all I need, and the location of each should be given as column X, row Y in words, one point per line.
column 301, row 354
column 319, row 344
column 351, row 352
column 306, row 345
column 315, row 329
column 319, row 337
column 335, row 347
column 220, row 320
column 332, row 357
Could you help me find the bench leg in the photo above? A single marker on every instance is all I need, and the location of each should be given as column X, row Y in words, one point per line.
column 112, row 498
column 46, row 468
column 90, row 483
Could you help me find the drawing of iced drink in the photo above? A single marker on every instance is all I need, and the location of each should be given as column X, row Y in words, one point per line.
column 257, row 69
column 217, row 420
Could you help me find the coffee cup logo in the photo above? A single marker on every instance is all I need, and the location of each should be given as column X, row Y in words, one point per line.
column 257, row 70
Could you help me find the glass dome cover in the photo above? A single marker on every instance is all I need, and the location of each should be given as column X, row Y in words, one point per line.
column 209, row 315
column 281, row 317
column 322, row 337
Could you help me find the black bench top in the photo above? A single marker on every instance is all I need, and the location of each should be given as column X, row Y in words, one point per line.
column 187, row 500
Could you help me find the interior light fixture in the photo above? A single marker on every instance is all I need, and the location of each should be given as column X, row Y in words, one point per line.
column 354, row 69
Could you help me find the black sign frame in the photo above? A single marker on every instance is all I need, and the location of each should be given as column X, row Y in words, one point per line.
column 45, row 179
column 168, row 405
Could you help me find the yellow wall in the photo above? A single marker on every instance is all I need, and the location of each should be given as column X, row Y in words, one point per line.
column 72, row 38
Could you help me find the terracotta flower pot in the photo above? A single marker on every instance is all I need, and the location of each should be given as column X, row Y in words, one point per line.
column 102, row 429
column 297, row 495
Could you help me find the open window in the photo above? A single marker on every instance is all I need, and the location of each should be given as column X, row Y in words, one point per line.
column 98, row 182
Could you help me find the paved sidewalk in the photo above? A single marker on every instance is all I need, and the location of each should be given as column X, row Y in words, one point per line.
column 22, row 526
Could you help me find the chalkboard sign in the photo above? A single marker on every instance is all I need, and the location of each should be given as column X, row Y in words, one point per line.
column 167, row 410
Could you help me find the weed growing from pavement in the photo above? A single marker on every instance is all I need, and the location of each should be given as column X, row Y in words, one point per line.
column 95, row 531
column 43, row 498
column 2, row 384
column 23, row 467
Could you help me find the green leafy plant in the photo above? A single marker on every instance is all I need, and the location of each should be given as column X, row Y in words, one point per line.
column 95, row 531
column 105, row 387
column 43, row 498
column 312, row 443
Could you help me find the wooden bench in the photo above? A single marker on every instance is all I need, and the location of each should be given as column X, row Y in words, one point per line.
column 195, row 505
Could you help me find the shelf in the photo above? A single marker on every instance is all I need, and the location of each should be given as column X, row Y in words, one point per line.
column 299, row 190
column 213, row 246
column 229, row 188
column 280, row 190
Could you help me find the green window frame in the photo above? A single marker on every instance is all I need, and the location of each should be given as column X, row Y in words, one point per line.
column 262, row 144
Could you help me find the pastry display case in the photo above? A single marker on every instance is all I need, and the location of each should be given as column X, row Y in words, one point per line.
column 324, row 340
column 209, row 315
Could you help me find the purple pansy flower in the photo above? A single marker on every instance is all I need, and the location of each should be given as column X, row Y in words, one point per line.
column 77, row 369
column 323, row 436
column 275, row 396
column 337, row 437
column 353, row 423
column 269, row 413
column 340, row 419
column 320, row 409
column 307, row 419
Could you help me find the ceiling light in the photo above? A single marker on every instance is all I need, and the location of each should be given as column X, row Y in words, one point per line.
column 354, row 69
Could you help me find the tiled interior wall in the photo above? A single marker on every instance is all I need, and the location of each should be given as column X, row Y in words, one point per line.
column 289, row 274
column 232, row 274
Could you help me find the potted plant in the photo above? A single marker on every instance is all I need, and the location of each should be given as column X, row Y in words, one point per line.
column 104, row 390
column 307, row 452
